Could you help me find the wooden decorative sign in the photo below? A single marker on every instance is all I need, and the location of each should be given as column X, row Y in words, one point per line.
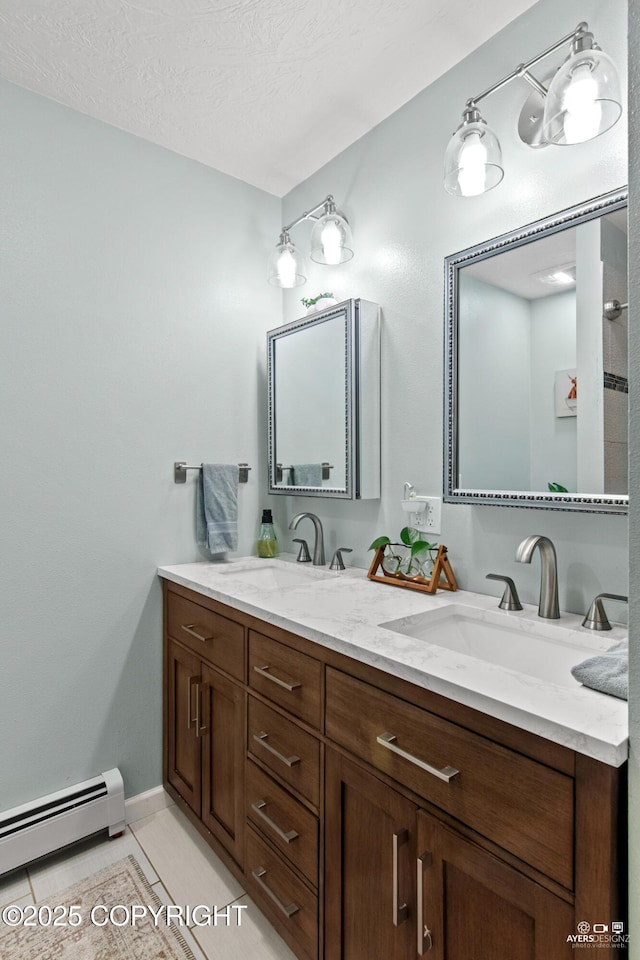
column 442, row 576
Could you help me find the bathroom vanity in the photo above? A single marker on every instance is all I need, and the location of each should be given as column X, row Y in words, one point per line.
column 378, row 796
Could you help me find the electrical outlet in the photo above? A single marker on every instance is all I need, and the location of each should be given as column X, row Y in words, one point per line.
column 431, row 520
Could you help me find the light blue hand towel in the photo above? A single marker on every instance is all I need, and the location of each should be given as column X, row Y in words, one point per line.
column 307, row 474
column 217, row 511
column 608, row 672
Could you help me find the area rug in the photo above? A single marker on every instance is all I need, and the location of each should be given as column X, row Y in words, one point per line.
column 93, row 929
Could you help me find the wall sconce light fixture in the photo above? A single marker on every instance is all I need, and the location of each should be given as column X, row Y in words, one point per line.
column 331, row 243
column 582, row 101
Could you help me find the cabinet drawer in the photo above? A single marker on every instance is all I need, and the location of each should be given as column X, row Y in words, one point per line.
column 282, row 894
column 289, row 678
column 292, row 754
column 290, row 826
column 215, row 638
column 514, row 801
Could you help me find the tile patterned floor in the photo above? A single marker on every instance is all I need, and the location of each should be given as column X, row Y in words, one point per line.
column 182, row 870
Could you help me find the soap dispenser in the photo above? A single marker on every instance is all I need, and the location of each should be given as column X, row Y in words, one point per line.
column 267, row 544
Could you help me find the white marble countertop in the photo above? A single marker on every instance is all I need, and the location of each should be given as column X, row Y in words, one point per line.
column 344, row 612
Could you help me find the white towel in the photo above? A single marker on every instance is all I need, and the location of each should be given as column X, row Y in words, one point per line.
column 217, row 513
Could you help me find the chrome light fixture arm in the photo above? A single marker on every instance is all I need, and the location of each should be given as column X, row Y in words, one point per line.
column 522, row 71
column 327, row 203
column 582, row 101
column 331, row 243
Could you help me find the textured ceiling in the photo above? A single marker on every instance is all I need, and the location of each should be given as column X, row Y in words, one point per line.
column 264, row 90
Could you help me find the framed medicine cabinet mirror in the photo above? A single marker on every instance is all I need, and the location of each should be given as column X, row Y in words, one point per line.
column 324, row 403
column 536, row 388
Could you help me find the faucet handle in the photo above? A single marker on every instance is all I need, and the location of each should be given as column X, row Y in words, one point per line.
column 303, row 553
column 510, row 599
column 337, row 563
column 596, row 618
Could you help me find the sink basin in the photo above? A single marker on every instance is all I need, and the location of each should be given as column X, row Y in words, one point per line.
column 544, row 651
column 273, row 574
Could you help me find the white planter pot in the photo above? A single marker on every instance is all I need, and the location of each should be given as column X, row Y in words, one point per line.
column 321, row 304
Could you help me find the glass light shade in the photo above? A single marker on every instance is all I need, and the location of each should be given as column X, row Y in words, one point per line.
column 473, row 160
column 583, row 100
column 331, row 240
column 286, row 266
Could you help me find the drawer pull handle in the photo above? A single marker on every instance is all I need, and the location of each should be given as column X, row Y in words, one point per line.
column 191, row 682
column 199, row 729
column 446, row 773
column 400, row 910
column 425, row 940
column 258, row 808
column 188, row 628
column 289, row 910
column 261, row 738
column 264, row 672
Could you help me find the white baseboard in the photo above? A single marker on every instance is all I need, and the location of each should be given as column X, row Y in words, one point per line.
column 144, row 804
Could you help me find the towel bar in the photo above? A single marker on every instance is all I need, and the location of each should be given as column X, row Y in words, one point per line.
column 326, row 467
column 180, row 471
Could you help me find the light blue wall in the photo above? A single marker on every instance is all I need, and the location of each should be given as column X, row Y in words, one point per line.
column 494, row 374
column 509, row 351
column 389, row 184
column 553, row 347
column 129, row 278
column 133, row 311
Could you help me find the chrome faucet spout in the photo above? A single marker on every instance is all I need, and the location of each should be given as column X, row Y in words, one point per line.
column 548, row 605
column 318, row 546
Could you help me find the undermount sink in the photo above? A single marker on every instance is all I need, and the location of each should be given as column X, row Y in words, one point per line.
column 273, row 574
column 538, row 650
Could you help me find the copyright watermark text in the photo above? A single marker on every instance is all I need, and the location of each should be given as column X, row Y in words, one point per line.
column 122, row 915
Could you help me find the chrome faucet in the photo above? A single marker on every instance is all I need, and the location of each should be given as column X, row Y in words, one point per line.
column 318, row 546
column 548, row 605
column 596, row 618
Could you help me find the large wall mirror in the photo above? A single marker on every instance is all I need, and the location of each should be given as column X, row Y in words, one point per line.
column 536, row 389
column 324, row 404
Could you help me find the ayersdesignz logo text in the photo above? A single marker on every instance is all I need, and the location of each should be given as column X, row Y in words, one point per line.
column 610, row 935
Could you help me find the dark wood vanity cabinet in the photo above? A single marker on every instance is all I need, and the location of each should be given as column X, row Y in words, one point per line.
column 370, row 849
column 470, row 904
column 284, row 788
column 436, row 893
column 370, row 819
column 204, row 721
column 183, row 746
column 441, row 887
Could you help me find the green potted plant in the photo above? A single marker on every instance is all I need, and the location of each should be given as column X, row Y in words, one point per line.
column 314, row 304
column 412, row 556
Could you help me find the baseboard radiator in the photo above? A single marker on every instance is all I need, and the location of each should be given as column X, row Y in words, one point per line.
column 48, row 823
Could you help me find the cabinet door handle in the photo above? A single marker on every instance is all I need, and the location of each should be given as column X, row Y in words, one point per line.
column 188, row 628
column 258, row 807
column 445, row 773
column 191, row 682
column 261, row 738
column 264, row 672
column 289, row 910
column 199, row 729
column 425, row 940
column 400, row 911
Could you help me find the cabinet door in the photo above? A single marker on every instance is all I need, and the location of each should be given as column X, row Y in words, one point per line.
column 472, row 906
column 222, row 732
column 369, row 866
column 183, row 680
